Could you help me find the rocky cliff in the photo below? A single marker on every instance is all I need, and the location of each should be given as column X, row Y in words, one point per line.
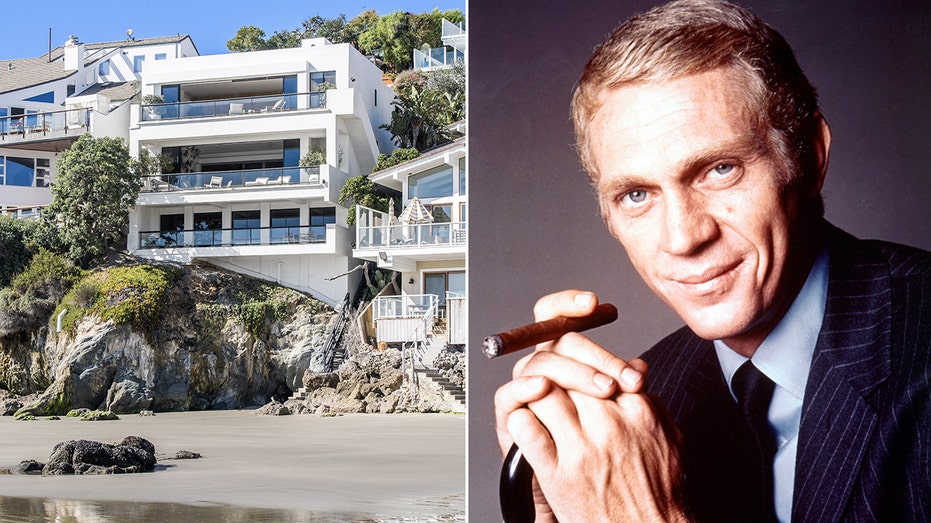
column 208, row 339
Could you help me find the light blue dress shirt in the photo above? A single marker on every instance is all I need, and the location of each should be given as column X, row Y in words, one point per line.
column 785, row 357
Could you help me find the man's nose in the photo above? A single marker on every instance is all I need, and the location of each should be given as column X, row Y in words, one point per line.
column 688, row 224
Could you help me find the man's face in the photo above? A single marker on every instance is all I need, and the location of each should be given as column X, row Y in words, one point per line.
column 687, row 186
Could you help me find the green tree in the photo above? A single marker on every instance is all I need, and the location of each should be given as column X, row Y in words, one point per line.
column 248, row 38
column 96, row 186
column 392, row 40
column 418, row 120
column 14, row 253
column 362, row 191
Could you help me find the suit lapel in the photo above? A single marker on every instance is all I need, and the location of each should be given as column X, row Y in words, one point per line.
column 851, row 360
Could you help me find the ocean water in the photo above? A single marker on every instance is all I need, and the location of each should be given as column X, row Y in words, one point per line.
column 41, row 510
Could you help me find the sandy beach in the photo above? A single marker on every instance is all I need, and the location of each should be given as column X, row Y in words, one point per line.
column 396, row 467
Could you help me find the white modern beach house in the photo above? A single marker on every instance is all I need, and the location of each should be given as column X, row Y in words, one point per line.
column 47, row 102
column 260, row 144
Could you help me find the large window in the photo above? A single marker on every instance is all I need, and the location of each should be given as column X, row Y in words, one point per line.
column 434, row 183
column 246, row 227
column 285, row 225
column 19, row 171
column 319, row 218
column 439, row 283
column 171, row 227
column 208, row 228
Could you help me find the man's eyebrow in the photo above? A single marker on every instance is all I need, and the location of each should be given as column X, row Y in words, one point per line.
column 744, row 148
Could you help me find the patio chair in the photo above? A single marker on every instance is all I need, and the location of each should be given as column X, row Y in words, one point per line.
column 216, row 182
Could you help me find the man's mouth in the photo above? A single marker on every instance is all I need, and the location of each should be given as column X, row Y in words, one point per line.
column 711, row 281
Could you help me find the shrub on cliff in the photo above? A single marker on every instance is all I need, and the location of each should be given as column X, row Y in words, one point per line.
column 133, row 294
column 33, row 293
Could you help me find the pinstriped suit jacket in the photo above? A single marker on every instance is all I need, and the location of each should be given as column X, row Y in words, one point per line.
column 865, row 436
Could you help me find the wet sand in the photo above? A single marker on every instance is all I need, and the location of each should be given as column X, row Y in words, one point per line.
column 396, row 467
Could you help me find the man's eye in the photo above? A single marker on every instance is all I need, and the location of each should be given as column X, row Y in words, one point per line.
column 637, row 196
column 724, row 169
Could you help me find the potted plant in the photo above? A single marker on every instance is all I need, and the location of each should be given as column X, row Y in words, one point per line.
column 313, row 159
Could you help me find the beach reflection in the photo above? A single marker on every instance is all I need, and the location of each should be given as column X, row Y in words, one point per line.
column 35, row 510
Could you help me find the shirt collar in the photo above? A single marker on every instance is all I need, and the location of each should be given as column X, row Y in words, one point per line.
column 785, row 355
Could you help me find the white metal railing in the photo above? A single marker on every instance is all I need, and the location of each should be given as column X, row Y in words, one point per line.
column 374, row 232
column 405, row 306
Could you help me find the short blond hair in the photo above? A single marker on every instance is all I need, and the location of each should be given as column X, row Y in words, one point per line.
column 693, row 36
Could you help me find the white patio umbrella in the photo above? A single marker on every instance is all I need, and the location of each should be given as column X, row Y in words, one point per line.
column 415, row 212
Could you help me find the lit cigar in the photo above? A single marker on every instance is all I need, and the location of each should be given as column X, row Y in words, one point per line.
column 541, row 331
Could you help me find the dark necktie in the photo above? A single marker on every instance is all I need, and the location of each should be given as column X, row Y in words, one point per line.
column 754, row 393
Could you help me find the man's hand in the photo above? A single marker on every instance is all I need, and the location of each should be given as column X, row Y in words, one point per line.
column 600, row 450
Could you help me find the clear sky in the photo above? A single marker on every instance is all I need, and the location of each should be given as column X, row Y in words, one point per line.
column 209, row 22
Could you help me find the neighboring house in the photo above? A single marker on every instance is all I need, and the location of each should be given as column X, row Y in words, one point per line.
column 46, row 103
column 453, row 50
column 425, row 240
column 426, row 243
column 236, row 127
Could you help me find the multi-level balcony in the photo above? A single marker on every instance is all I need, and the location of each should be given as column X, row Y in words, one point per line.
column 66, row 125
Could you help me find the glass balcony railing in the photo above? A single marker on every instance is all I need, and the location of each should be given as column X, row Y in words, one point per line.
column 436, row 57
column 233, row 106
column 297, row 234
column 230, row 179
column 41, row 125
column 411, row 235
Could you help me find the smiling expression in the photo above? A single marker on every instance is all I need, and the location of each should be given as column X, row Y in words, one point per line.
column 687, row 184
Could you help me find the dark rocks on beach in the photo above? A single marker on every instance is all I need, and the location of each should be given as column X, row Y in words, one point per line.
column 185, row 454
column 133, row 454
column 28, row 466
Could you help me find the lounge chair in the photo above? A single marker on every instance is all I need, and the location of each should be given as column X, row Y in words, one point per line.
column 261, row 180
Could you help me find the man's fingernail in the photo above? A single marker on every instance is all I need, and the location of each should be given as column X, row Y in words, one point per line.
column 584, row 300
column 630, row 376
column 603, row 382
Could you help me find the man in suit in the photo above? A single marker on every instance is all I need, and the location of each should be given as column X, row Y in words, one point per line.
column 799, row 390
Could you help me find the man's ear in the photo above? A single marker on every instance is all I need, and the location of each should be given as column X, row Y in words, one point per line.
column 821, row 149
